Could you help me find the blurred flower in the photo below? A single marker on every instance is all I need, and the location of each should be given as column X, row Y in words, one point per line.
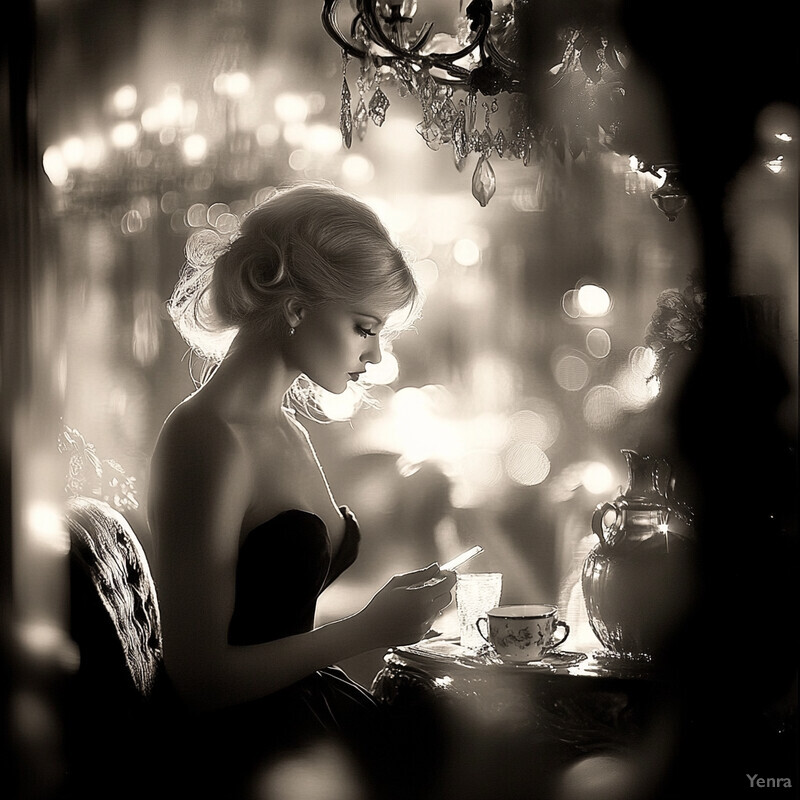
column 676, row 324
column 89, row 475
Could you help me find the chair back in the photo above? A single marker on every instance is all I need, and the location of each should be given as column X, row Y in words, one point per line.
column 109, row 571
column 114, row 706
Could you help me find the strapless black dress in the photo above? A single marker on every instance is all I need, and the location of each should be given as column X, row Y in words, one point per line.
column 283, row 566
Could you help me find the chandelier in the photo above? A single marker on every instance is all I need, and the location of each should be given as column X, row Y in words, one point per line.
column 479, row 90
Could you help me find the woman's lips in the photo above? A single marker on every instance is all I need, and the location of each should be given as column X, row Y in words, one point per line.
column 354, row 375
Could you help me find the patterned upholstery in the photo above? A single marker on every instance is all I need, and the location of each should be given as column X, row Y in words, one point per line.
column 106, row 552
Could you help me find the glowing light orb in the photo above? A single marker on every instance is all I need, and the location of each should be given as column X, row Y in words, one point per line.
column 290, row 107
column 124, row 100
column 195, row 148
column 598, row 343
column 54, row 166
column 593, row 300
column 466, row 252
column 124, row 135
column 324, row 140
column 571, row 373
column 527, row 464
column 602, row 407
column 357, row 169
column 596, row 477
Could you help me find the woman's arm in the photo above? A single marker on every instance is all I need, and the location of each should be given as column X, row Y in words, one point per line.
column 200, row 489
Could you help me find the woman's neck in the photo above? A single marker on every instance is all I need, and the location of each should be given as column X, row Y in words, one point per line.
column 251, row 380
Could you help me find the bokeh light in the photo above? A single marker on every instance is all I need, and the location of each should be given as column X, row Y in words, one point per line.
column 598, row 343
column 291, row 107
column 357, row 169
column 195, row 148
column 124, row 135
column 527, row 464
column 124, row 100
column 426, row 272
column 571, row 372
column 593, row 300
column 55, row 166
column 596, row 477
column 602, row 407
column 466, row 252
column 540, row 427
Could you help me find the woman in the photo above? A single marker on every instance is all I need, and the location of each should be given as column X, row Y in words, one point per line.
column 247, row 530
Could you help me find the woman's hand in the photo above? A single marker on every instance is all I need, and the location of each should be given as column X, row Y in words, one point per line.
column 403, row 610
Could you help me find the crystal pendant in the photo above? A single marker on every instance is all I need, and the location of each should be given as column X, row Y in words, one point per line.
column 447, row 115
column 460, row 141
column 500, row 143
column 377, row 107
column 360, row 119
column 486, row 142
column 431, row 133
column 346, row 117
column 459, row 160
column 483, row 181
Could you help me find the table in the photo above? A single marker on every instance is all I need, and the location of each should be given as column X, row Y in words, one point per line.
column 502, row 728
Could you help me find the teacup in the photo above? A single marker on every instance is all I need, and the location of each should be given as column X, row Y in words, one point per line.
column 523, row 633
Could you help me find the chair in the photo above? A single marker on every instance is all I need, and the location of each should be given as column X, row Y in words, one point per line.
column 112, row 703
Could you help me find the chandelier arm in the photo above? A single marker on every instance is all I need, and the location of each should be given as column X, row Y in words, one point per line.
column 459, row 75
column 495, row 55
column 423, row 38
column 332, row 29
column 375, row 29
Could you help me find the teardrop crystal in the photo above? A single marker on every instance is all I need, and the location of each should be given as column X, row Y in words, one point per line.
column 483, row 181
column 360, row 119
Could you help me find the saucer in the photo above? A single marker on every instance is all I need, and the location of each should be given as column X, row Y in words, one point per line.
column 555, row 659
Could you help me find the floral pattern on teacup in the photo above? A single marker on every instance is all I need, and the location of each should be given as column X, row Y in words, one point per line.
column 522, row 638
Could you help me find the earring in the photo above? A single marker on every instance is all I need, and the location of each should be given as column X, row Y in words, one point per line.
column 291, row 331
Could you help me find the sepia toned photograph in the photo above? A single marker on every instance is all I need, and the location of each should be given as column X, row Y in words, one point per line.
column 399, row 400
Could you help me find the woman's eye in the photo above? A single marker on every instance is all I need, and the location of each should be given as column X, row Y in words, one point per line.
column 363, row 332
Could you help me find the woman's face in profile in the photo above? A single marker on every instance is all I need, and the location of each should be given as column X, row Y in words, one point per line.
column 334, row 342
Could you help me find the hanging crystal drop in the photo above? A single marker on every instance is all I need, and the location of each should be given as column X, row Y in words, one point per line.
column 483, row 181
column 460, row 141
column 474, row 142
column 486, row 141
column 447, row 115
column 405, row 76
column 500, row 143
column 377, row 107
column 345, row 117
column 360, row 119
column 472, row 110
column 459, row 160
column 431, row 133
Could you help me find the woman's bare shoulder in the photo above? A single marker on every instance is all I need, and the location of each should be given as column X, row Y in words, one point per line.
column 194, row 434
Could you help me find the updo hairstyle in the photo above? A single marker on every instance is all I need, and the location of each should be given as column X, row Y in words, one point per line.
column 312, row 241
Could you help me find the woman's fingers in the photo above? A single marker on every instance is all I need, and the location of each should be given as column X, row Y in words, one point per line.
column 417, row 577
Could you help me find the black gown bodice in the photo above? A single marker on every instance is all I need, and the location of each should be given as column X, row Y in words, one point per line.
column 284, row 565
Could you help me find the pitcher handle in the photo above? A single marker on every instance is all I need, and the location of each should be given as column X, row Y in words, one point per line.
column 597, row 520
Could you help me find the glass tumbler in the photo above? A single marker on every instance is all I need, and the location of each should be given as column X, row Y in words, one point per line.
column 476, row 593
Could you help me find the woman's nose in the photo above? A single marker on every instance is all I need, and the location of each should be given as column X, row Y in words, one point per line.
column 373, row 354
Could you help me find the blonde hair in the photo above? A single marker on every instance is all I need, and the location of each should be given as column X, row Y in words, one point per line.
column 312, row 241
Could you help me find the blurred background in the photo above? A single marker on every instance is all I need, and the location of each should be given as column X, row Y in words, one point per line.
column 499, row 420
